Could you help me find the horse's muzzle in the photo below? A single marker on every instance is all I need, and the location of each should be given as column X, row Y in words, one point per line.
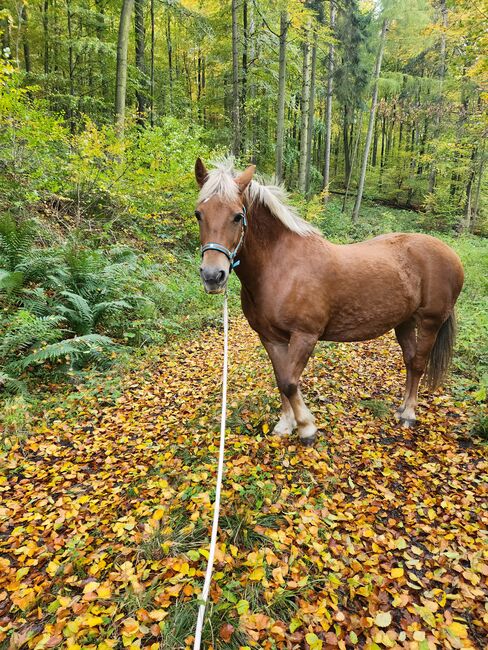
column 214, row 279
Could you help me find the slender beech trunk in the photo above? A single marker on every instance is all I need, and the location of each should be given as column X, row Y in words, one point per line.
column 121, row 71
column 353, row 161
column 280, row 124
column 140, row 42
column 477, row 195
column 243, row 98
column 304, row 101
column 311, row 113
column 328, row 110
column 169, row 48
column 442, row 73
column 71, row 69
column 236, row 126
column 25, row 40
column 372, row 115
column 45, row 32
column 152, row 62
column 252, row 86
column 346, row 143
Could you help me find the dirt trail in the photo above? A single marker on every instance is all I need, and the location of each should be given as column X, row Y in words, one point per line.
column 372, row 539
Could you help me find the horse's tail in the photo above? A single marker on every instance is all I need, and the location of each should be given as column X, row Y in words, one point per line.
column 441, row 354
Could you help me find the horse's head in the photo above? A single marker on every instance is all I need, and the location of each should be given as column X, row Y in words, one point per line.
column 221, row 215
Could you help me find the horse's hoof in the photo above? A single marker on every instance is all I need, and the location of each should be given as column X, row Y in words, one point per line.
column 281, row 433
column 309, row 442
column 398, row 414
column 408, row 423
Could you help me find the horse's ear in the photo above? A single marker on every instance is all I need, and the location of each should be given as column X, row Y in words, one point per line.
column 201, row 172
column 245, row 178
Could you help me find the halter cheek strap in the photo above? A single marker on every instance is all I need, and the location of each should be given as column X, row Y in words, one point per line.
column 231, row 255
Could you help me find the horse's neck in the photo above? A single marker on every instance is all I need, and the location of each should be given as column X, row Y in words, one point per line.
column 263, row 233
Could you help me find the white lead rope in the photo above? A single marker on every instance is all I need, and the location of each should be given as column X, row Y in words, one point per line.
column 218, row 488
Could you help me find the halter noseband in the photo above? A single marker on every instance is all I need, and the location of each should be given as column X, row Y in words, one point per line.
column 231, row 255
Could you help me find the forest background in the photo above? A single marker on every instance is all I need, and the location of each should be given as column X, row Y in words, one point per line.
column 373, row 114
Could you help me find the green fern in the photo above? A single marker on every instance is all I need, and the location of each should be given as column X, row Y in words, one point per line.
column 11, row 281
column 16, row 239
column 11, row 385
column 73, row 348
column 82, row 316
column 25, row 330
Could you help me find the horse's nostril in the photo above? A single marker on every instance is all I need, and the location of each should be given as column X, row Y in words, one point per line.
column 220, row 276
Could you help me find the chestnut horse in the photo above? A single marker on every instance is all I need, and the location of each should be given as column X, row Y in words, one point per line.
column 298, row 288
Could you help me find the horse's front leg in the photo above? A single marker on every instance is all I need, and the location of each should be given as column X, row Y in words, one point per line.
column 289, row 361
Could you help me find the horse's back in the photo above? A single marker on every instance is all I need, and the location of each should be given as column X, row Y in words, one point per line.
column 384, row 281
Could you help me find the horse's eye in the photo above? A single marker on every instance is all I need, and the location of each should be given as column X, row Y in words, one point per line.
column 238, row 217
column 198, row 215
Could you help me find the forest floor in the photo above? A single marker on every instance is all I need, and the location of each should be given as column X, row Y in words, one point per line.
column 371, row 539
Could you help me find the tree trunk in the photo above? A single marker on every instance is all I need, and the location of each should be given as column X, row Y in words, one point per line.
column 121, row 71
column 442, row 73
column 45, row 31
column 477, row 195
column 280, row 124
column 25, row 40
column 243, row 99
column 346, row 144
column 152, row 63
column 311, row 113
column 353, row 161
column 236, row 140
column 71, row 69
column 328, row 110
column 140, row 42
column 169, row 48
column 372, row 115
column 304, row 101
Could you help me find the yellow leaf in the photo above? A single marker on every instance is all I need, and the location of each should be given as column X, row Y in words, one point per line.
column 458, row 630
column 397, row 572
column 265, row 427
column 90, row 586
column 383, row 619
column 158, row 514
column 313, row 641
column 257, row 574
column 104, row 591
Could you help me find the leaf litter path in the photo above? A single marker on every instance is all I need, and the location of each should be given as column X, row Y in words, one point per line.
column 372, row 539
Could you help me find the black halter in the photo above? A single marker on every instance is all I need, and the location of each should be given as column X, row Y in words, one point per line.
column 231, row 255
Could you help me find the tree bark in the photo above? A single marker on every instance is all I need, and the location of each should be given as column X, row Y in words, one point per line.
column 311, row 114
column 304, row 101
column 25, row 39
column 140, row 42
column 152, row 63
column 45, row 32
column 169, row 48
column 245, row 62
column 442, row 73
column 121, row 71
column 328, row 110
column 280, row 124
column 236, row 141
column 71, row 69
column 353, row 161
column 372, row 115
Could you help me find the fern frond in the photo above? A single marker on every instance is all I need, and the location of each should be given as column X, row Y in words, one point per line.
column 73, row 348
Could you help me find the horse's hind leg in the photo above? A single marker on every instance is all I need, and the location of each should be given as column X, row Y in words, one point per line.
column 406, row 337
column 426, row 336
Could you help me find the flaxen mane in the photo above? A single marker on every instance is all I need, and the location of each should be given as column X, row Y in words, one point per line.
column 220, row 181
